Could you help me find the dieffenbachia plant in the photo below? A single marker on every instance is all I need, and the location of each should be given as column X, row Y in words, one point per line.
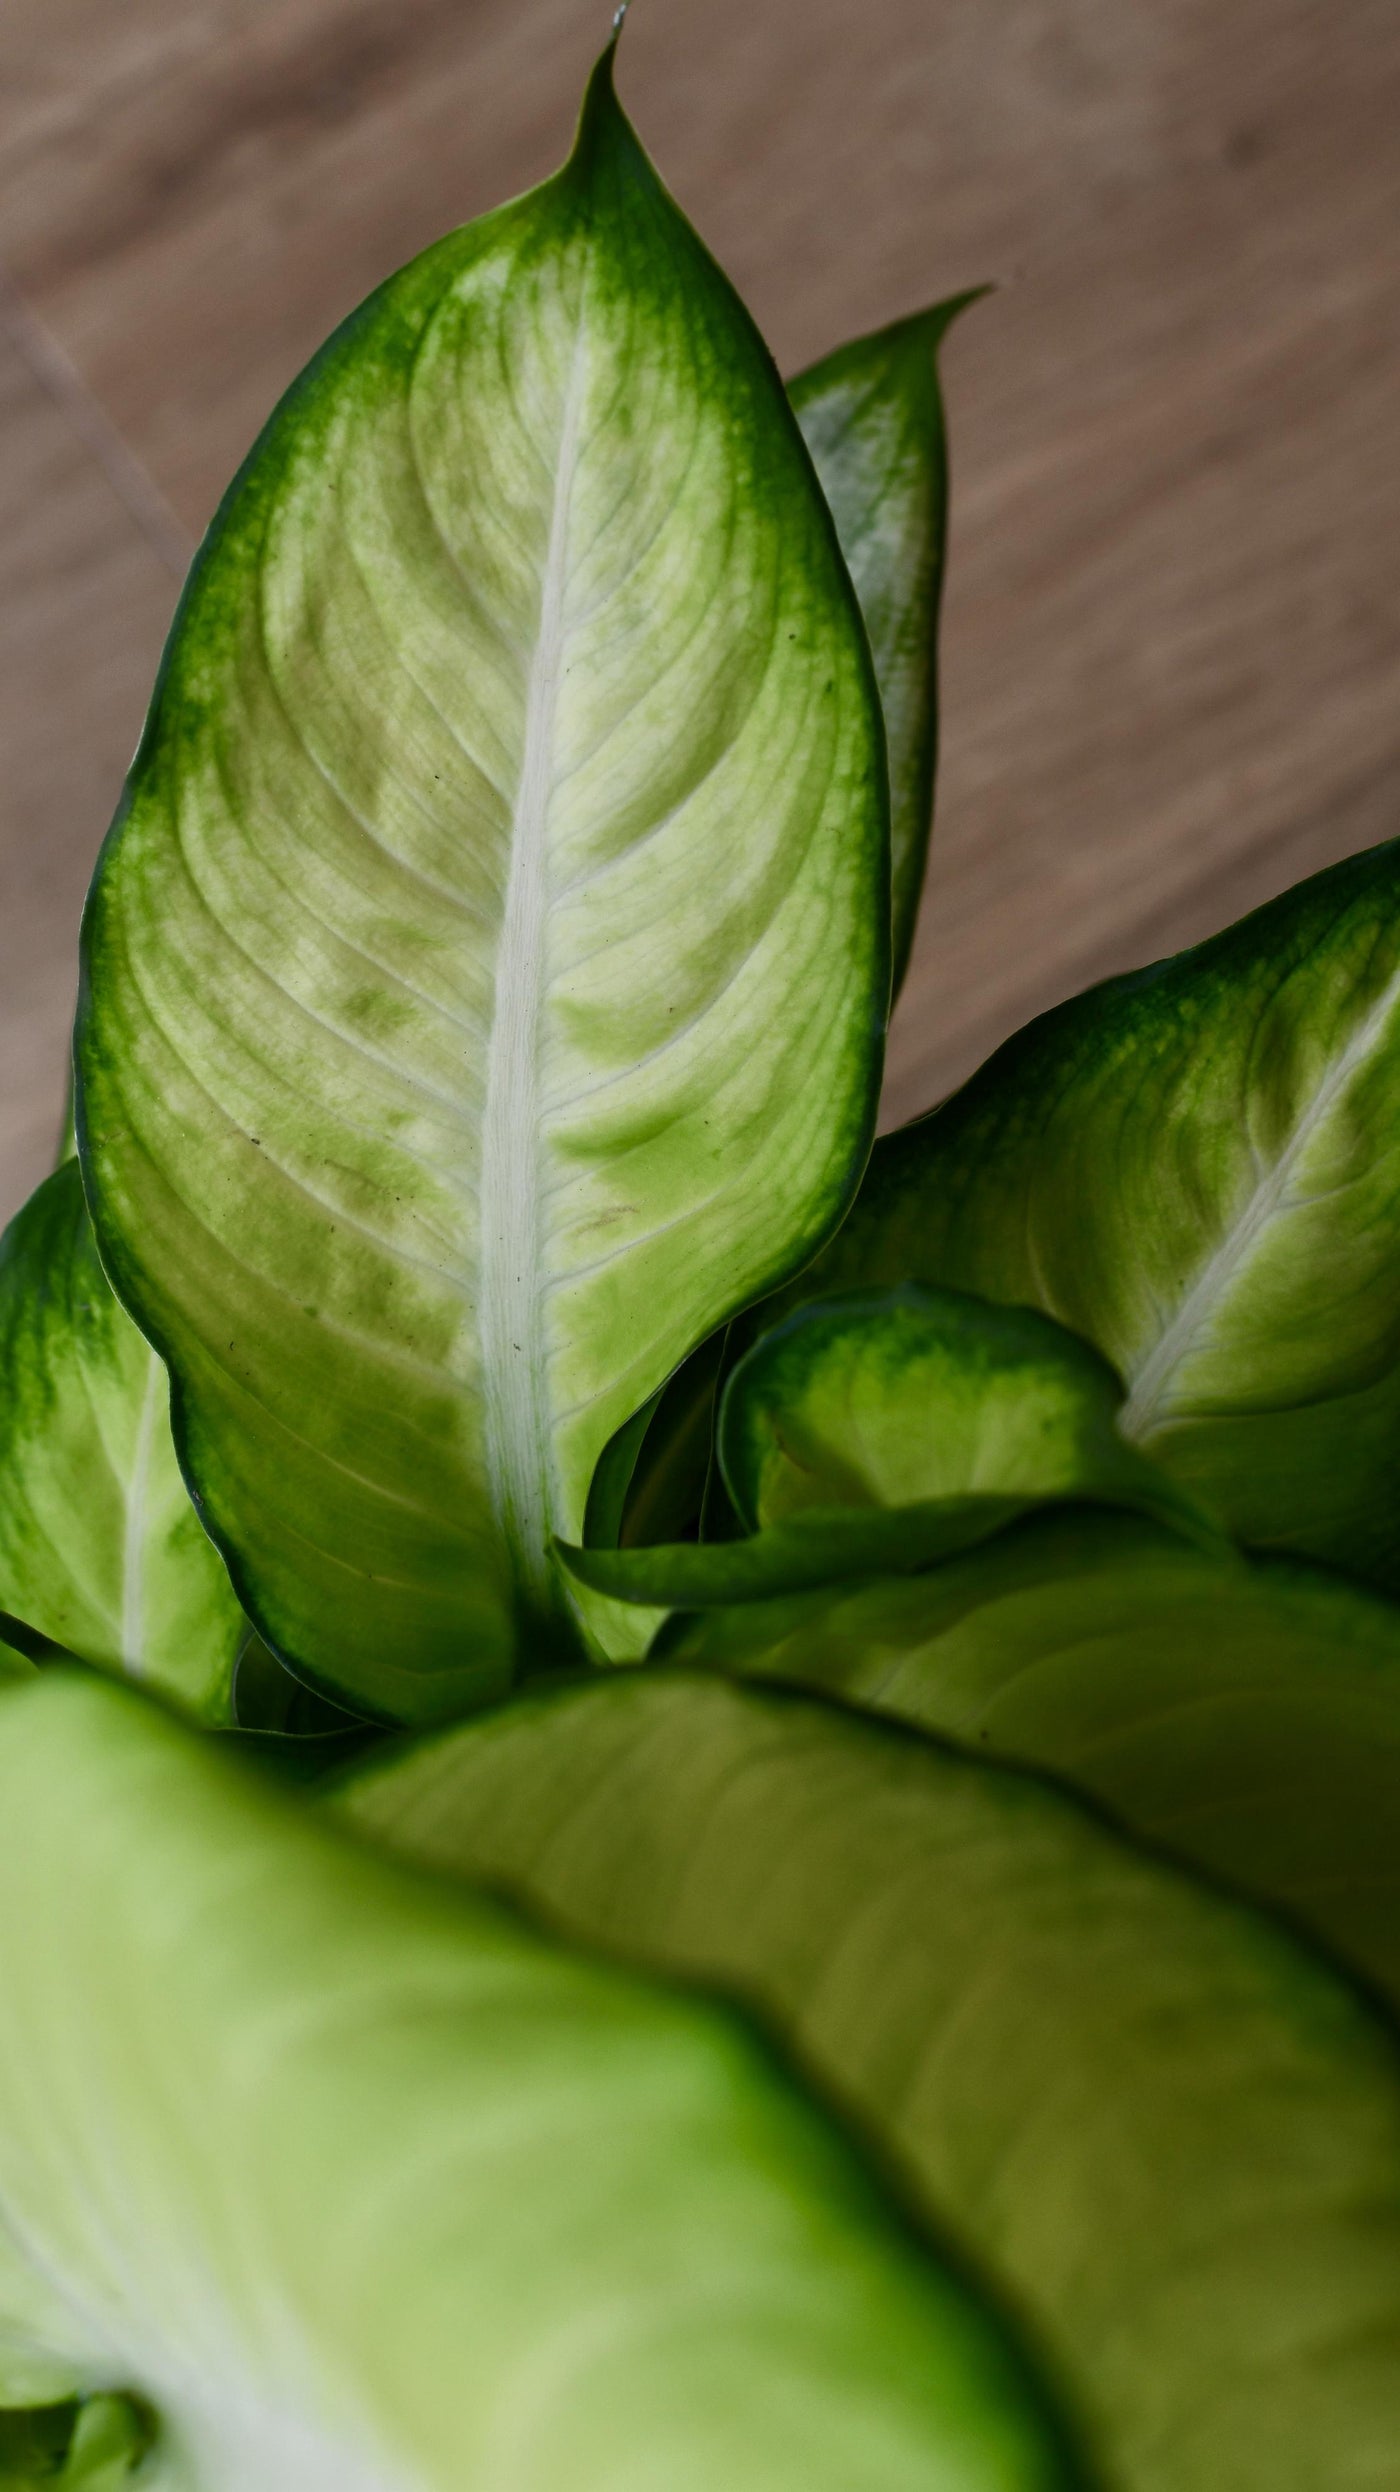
column 426, row 1159
column 1198, row 1168
column 362, row 2184
column 872, row 1961
column 1050, row 2029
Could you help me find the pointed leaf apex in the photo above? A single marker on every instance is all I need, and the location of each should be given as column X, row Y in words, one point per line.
column 600, row 105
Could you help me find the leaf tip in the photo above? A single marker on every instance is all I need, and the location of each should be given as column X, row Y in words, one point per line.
column 601, row 111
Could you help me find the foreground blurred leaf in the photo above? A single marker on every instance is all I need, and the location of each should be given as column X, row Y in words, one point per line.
column 872, row 417
column 1166, row 2127
column 101, row 1551
column 363, row 2185
column 1198, row 1168
column 1246, row 1715
column 486, row 975
column 886, row 1430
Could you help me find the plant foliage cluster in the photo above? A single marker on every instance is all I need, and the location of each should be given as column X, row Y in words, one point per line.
column 682, row 1804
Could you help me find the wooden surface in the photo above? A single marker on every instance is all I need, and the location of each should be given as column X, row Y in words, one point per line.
column 1172, row 637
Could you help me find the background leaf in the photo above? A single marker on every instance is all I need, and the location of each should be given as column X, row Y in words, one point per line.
column 872, row 417
column 485, row 979
column 101, row 1551
column 361, row 2182
column 33, row 2445
column 1166, row 2127
column 1198, row 1168
column 882, row 1432
column 890, row 1397
column 650, row 1483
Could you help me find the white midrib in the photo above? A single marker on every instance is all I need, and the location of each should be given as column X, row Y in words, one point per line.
column 1142, row 1408
column 134, row 1538
column 512, row 1343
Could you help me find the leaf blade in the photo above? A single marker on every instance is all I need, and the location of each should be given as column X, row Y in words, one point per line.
column 883, row 1431
column 416, row 1149
column 405, row 2196
column 892, row 1397
column 1194, row 1167
column 101, row 1552
column 1155, row 2118
column 872, row 416
column 1247, row 1717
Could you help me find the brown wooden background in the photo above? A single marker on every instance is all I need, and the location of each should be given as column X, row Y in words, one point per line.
column 1172, row 670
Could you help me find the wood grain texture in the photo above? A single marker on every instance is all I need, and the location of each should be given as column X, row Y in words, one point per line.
column 84, row 603
column 1172, row 671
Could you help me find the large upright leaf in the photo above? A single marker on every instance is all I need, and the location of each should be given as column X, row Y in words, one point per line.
column 1247, row 1715
column 364, row 2187
column 884, row 1430
column 1172, row 2132
column 872, row 417
column 486, row 974
column 101, row 1551
column 1198, row 1168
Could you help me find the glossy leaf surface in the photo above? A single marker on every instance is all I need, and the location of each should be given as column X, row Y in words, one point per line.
column 1246, row 1715
column 1198, row 1168
column 872, row 417
column 362, row 2184
column 101, row 1551
column 486, row 976
column 1166, row 2126
column 892, row 1397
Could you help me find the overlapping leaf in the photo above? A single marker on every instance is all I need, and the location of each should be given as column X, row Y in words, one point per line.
column 872, row 417
column 486, row 975
column 362, row 2184
column 1247, row 1715
column 885, row 1430
column 101, row 1551
column 1166, row 2126
column 1198, row 1168
column 99, row 2446
column 892, row 1397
